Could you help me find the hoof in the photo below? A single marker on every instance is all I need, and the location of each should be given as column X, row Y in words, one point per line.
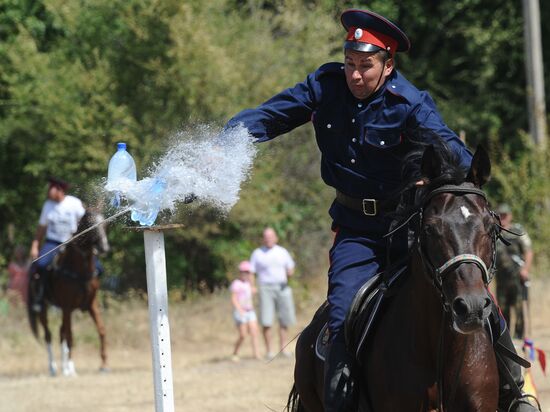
column 104, row 369
column 69, row 369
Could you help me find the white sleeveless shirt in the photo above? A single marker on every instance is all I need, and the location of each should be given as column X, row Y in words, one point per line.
column 61, row 218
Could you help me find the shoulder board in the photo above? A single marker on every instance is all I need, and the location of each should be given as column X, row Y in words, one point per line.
column 401, row 87
column 329, row 68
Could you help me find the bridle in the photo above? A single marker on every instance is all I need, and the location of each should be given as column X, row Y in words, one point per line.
column 439, row 273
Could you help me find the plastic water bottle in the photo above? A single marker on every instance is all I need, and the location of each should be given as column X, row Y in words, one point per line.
column 121, row 173
column 145, row 212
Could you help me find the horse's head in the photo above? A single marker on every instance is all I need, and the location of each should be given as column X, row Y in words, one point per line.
column 456, row 238
column 95, row 238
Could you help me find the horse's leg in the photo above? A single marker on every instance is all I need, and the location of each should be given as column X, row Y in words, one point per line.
column 67, row 344
column 96, row 316
column 309, row 371
column 400, row 362
column 52, row 367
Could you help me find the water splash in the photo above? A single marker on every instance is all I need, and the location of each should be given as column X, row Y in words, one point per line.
column 204, row 163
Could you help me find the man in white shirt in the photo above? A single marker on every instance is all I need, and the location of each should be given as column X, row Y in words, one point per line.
column 272, row 265
column 58, row 222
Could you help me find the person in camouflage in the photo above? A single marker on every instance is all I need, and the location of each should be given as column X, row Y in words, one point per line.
column 512, row 271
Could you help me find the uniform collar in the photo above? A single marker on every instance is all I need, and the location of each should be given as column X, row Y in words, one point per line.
column 397, row 85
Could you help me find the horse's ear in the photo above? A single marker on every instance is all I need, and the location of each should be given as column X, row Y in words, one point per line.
column 431, row 163
column 480, row 170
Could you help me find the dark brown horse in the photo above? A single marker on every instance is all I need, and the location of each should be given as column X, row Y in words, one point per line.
column 428, row 351
column 73, row 284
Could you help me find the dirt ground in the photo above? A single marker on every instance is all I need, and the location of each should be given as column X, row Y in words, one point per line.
column 205, row 379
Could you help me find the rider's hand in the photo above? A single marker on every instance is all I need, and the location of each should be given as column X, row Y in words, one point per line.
column 34, row 251
column 524, row 275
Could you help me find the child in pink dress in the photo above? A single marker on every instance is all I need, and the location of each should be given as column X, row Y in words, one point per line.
column 243, row 309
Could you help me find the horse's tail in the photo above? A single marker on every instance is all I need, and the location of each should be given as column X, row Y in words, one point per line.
column 293, row 404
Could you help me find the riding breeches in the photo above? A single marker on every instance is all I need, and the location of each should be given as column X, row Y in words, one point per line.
column 356, row 257
column 45, row 261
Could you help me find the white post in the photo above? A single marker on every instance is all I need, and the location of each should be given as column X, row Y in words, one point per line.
column 157, row 293
column 535, row 72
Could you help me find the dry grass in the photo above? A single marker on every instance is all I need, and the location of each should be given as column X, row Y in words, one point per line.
column 202, row 334
column 204, row 378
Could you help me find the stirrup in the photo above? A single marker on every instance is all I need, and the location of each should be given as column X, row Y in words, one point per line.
column 522, row 399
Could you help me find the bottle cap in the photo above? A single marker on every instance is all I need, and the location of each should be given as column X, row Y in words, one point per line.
column 121, row 146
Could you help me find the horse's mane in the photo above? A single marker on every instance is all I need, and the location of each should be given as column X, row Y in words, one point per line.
column 452, row 171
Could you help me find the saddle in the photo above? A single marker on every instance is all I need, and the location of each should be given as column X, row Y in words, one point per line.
column 83, row 280
column 57, row 269
column 363, row 312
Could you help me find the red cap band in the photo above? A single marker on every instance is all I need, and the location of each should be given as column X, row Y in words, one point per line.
column 372, row 37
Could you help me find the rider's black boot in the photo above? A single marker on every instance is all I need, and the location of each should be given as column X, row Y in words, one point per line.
column 37, row 295
column 511, row 397
column 338, row 396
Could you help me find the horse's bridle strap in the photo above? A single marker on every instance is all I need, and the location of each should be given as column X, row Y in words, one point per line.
column 459, row 260
column 454, row 189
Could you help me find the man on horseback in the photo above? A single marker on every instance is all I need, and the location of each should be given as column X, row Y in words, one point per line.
column 58, row 222
column 365, row 114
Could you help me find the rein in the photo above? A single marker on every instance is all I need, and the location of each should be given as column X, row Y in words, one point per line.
column 440, row 355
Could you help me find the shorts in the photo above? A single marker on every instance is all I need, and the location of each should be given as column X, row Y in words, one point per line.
column 240, row 318
column 276, row 298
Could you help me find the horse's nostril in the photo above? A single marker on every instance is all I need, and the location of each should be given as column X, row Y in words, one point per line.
column 460, row 307
column 487, row 303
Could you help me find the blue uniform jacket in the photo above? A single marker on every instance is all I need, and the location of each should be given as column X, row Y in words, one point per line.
column 362, row 142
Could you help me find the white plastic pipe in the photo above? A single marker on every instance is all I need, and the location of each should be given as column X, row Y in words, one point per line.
column 157, row 293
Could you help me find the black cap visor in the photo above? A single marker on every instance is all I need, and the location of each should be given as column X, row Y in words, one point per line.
column 361, row 47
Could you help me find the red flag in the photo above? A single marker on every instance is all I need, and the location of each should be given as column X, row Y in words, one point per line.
column 542, row 359
column 528, row 344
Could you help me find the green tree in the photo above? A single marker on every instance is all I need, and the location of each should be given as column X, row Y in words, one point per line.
column 78, row 76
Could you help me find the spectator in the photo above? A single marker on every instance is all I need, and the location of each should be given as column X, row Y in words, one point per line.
column 244, row 315
column 272, row 265
column 512, row 272
column 18, row 269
